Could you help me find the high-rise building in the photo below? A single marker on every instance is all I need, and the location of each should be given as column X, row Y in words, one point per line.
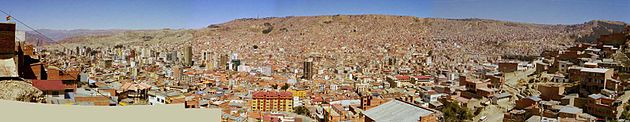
column 188, row 56
column 234, row 64
column 177, row 72
column 308, row 70
column 223, row 62
column 206, row 56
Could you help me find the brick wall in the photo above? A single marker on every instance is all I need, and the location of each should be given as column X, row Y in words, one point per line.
column 7, row 39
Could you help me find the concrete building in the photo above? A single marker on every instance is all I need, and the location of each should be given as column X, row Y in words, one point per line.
column 188, row 56
column 308, row 70
column 593, row 80
column 272, row 101
column 602, row 106
column 223, row 62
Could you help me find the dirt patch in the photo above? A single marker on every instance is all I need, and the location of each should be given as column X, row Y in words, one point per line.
column 20, row 91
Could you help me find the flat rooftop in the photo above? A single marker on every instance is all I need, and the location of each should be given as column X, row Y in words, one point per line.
column 595, row 70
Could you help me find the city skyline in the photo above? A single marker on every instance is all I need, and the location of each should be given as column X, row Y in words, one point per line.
column 68, row 15
column 316, row 61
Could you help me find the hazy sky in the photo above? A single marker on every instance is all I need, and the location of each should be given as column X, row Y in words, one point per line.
column 156, row 14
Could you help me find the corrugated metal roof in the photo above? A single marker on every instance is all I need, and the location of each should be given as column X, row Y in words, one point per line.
column 570, row 109
column 396, row 111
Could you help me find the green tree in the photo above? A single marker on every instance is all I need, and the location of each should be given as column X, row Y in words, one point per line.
column 285, row 87
column 625, row 114
column 455, row 113
column 301, row 110
column 274, row 86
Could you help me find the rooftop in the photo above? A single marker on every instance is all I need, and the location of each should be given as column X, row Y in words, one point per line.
column 595, row 70
column 570, row 109
column 395, row 110
column 272, row 94
column 51, row 85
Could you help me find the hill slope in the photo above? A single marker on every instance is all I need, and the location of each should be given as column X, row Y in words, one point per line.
column 353, row 39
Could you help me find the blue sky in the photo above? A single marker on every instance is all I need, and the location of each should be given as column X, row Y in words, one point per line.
column 156, row 14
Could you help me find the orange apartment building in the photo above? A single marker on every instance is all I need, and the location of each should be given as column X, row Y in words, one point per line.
column 272, row 101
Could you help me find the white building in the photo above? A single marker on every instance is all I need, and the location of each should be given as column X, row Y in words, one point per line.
column 157, row 98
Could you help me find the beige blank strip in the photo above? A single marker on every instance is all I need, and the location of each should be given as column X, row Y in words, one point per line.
column 15, row 111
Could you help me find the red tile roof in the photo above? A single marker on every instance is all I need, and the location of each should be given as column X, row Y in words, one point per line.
column 403, row 77
column 51, row 85
column 423, row 77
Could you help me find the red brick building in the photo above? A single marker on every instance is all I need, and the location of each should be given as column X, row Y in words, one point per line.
column 602, row 106
column 508, row 67
column 551, row 92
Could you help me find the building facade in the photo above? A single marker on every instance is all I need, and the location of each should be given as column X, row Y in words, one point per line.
column 272, row 101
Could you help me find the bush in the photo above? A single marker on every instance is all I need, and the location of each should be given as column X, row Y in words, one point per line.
column 285, row 86
column 301, row 110
column 625, row 115
column 455, row 113
column 269, row 28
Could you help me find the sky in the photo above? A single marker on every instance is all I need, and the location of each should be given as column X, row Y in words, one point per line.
column 191, row 14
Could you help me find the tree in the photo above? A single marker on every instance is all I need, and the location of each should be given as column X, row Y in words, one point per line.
column 301, row 110
column 274, row 86
column 455, row 113
column 625, row 114
column 285, row 87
